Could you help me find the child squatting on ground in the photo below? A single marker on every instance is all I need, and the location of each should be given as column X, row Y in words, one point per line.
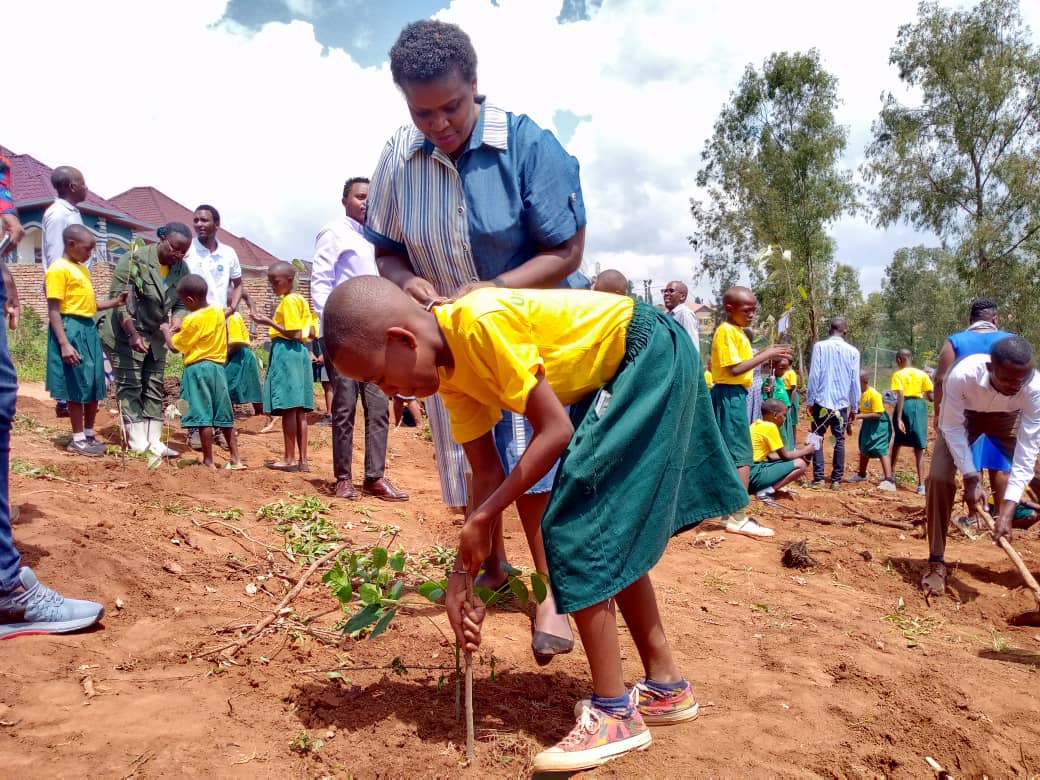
column 202, row 340
column 75, row 364
column 623, row 366
column 289, row 386
column 774, row 465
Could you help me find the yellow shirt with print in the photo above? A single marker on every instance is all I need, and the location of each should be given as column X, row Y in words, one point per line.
column 871, row 401
column 292, row 313
column 237, row 330
column 500, row 338
column 912, row 381
column 790, row 380
column 70, row 283
column 730, row 346
column 203, row 336
column 765, row 438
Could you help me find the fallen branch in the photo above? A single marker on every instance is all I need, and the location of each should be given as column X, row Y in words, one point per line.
column 812, row 518
column 237, row 530
column 879, row 520
column 235, row 647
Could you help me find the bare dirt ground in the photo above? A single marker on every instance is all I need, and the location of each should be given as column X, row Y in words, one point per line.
column 841, row 669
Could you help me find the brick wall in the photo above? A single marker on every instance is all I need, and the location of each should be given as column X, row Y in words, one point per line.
column 29, row 281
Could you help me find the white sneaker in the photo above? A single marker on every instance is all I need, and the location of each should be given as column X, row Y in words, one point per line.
column 747, row 526
column 920, row 490
column 762, row 495
column 856, row 478
column 887, row 485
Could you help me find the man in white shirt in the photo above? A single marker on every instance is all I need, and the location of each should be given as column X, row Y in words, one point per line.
column 215, row 262
column 674, row 295
column 68, row 182
column 977, row 393
column 72, row 190
column 341, row 252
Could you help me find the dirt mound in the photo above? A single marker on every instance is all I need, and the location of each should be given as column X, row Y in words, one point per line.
column 837, row 670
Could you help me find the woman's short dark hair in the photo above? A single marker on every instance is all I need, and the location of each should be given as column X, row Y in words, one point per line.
column 428, row 50
column 174, row 227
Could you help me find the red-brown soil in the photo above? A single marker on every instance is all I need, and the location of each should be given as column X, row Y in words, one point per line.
column 799, row 672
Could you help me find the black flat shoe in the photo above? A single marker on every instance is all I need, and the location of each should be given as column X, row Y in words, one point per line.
column 547, row 646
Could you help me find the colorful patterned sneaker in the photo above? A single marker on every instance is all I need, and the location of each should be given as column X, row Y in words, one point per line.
column 39, row 610
column 595, row 739
column 659, row 709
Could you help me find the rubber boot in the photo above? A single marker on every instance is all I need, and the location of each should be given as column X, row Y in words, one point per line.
column 155, row 442
column 137, row 435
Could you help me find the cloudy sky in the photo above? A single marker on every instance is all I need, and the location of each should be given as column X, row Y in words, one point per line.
column 264, row 107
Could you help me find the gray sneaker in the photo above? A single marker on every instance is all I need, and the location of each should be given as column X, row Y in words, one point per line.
column 39, row 610
column 194, row 439
column 95, row 450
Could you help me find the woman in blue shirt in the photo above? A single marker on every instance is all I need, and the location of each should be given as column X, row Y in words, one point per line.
column 471, row 196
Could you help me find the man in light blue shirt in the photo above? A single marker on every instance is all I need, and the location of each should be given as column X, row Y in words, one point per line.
column 833, row 395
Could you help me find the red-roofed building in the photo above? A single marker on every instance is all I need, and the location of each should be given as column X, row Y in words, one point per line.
column 156, row 208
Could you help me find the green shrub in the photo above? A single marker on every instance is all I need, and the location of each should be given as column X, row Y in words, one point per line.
column 28, row 345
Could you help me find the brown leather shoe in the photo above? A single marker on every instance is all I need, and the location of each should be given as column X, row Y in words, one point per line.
column 345, row 489
column 383, row 490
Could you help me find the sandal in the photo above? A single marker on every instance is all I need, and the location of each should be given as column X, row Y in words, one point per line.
column 235, row 466
column 281, row 466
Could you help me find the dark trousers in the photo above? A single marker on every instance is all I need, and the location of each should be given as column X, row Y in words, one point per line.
column 139, row 382
column 942, row 476
column 10, row 561
column 376, row 405
column 835, row 421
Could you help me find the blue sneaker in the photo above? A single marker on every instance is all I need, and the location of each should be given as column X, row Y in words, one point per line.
column 39, row 610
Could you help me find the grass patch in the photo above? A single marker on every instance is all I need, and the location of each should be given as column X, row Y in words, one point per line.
column 906, row 478
column 308, row 531
column 29, row 469
column 913, row 627
column 28, row 345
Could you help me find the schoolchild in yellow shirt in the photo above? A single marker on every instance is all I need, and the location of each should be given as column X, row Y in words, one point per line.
column 733, row 366
column 709, row 380
column 875, row 434
column 242, row 369
column 913, row 390
column 289, row 386
column 202, row 339
column 623, row 367
column 321, row 373
column 75, row 363
column 775, row 465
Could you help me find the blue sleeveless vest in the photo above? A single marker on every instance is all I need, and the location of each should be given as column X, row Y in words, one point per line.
column 973, row 342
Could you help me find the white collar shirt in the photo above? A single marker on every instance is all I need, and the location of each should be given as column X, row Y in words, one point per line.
column 58, row 216
column 685, row 317
column 967, row 388
column 341, row 252
column 218, row 268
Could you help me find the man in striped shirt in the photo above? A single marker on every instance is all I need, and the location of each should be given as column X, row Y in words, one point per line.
column 833, row 396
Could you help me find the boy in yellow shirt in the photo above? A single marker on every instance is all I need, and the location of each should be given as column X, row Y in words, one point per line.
column 875, row 434
column 775, row 465
column 622, row 366
column 202, row 339
column 75, row 363
column 289, row 386
column 733, row 366
column 913, row 389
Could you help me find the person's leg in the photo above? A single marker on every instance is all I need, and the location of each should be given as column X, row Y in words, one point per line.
column 886, row 468
column 839, row 421
column 206, row 440
column 597, row 626
column 919, row 464
column 398, row 412
column 231, row 436
column 895, row 456
column 76, row 418
column 819, row 428
column 638, row 606
column 10, row 560
column 301, row 435
column 290, row 422
column 998, row 482
column 799, row 469
column 89, row 415
column 863, row 461
column 344, row 408
column 377, row 421
column 327, row 388
column 547, row 619
column 942, row 487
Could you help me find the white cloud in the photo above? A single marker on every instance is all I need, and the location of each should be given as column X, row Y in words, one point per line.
column 266, row 125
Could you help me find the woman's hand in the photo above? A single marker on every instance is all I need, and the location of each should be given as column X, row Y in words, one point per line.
column 138, row 344
column 421, row 290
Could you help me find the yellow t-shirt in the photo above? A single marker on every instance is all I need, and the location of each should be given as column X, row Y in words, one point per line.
column 500, row 338
column 237, row 331
column 871, row 401
column 203, row 336
column 292, row 313
column 315, row 327
column 708, row 379
column 164, row 270
column 912, row 381
column 790, row 380
column 730, row 346
column 70, row 283
column 765, row 438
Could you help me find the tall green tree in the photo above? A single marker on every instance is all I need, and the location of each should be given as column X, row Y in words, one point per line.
column 844, row 296
column 964, row 162
column 925, row 300
column 771, row 175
